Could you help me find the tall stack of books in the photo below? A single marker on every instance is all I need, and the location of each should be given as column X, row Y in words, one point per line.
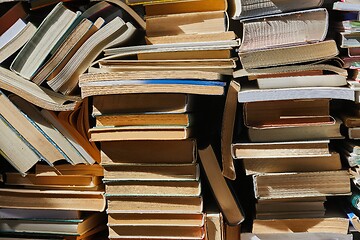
column 291, row 74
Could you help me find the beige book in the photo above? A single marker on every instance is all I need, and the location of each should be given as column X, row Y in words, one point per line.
column 223, row 195
column 242, row 9
column 150, row 232
column 285, row 29
column 289, row 55
column 186, row 55
column 153, row 188
column 166, row 152
column 14, row 148
column 186, row 7
column 35, row 94
column 66, row 81
column 48, row 34
column 280, row 149
column 69, row 152
column 150, row 2
column 204, row 37
column 354, row 132
column 151, row 172
column 52, row 199
column 264, row 114
column 185, row 23
column 296, row 236
column 155, row 204
column 183, row 86
column 137, row 103
column 17, row 42
column 150, row 132
column 151, row 219
column 215, row 227
column 292, row 164
column 72, row 43
column 67, row 169
column 325, row 225
column 47, row 150
column 302, row 184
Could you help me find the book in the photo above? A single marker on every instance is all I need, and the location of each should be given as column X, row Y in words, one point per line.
column 325, row 225
column 153, row 172
column 52, row 199
column 66, row 81
column 214, row 225
column 232, row 232
column 145, row 2
column 151, row 219
column 39, row 96
column 157, row 205
column 49, row 131
column 67, row 169
column 153, row 188
column 283, row 113
column 104, row 87
column 293, row 27
column 301, row 184
column 11, row 139
column 349, row 39
column 48, row 34
column 346, row 6
column 14, row 44
column 10, row 34
column 186, row 23
column 304, row 132
column 350, row 121
column 287, row 55
column 292, row 164
column 156, row 232
column 165, row 152
column 142, row 102
column 223, row 195
column 13, row 213
column 16, row 12
column 148, row 132
column 27, row 129
column 254, row 94
column 241, row 9
column 67, row 49
column 296, row 236
column 244, row 150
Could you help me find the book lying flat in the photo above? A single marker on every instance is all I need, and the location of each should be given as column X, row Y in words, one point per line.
column 296, row 236
column 157, row 151
column 280, row 149
column 241, row 9
column 284, row 29
column 301, row 184
column 103, row 87
column 287, row 55
column 292, row 164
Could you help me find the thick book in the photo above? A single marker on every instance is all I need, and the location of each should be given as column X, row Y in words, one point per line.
column 39, row 96
column 137, row 103
column 244, row 150
column 186, row 86
column 226, row 201
column 157, row 151
column 292, row 164
column 151, row 172
column 48, row 34
column 301, row 184
column 52, row 199
column 287, row 55
column 241, row 9
column 284, row 29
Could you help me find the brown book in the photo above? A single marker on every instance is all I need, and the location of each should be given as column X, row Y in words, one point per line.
column 301, row 184
column 292, row 164
column 155, row 204
column 170, row 152
column 289, row 54
column 153, row 219
column 223, row 195
column 67, row 169
column 137, row 103
column 151, row 172
column 350, row 121
column 51, row 199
